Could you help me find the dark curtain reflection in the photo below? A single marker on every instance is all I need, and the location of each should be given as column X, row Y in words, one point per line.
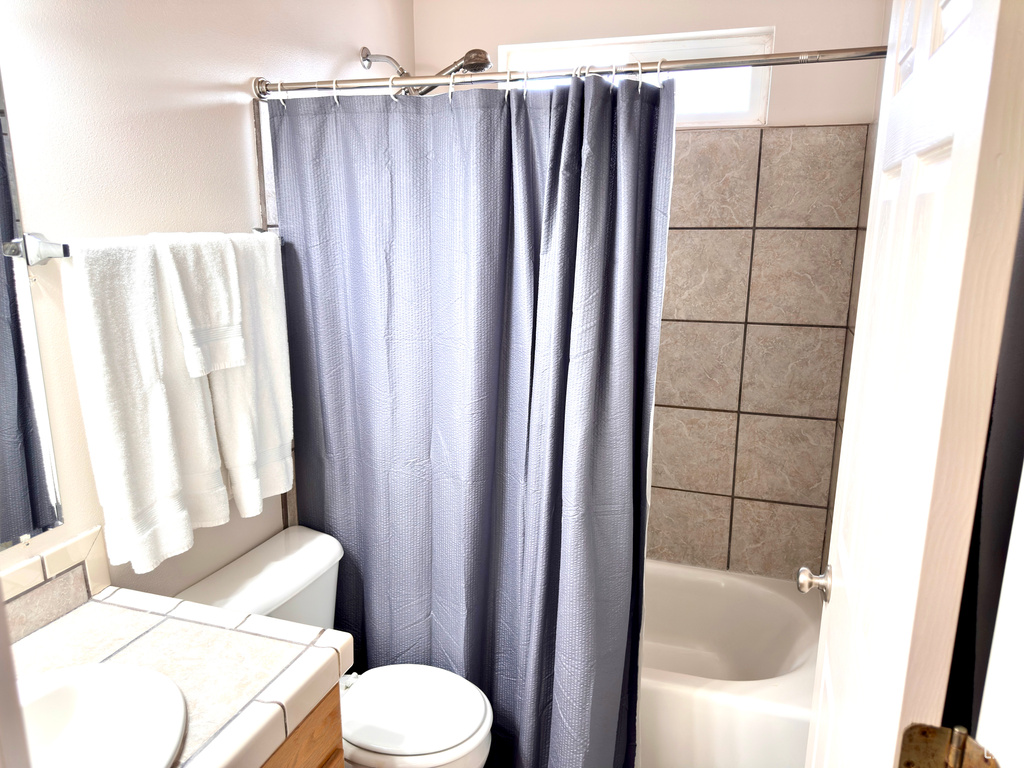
column 25, row 505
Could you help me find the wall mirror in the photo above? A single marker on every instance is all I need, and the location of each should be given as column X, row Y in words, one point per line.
column 29, row 498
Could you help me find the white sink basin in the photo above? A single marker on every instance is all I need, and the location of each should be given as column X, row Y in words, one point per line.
column 109, row 715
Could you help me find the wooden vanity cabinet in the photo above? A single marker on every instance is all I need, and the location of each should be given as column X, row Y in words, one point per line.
column 316, row 743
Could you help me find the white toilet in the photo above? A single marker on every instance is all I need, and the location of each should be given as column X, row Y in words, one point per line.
column 399, row 716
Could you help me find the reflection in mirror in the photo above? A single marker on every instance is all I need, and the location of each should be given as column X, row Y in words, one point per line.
column 29, row 500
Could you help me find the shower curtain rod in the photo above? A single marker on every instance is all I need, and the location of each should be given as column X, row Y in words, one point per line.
column 264, row 89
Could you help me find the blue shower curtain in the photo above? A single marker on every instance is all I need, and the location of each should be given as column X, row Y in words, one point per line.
column 474, row 294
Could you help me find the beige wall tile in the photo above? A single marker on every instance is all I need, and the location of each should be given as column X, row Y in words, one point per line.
column 801, row 276
column 706, row 275
column 792, row 370
column 699, row 364
column 825, row 544
column 53, row 599
column 70, row 553
column 869, row 167
column 847, row 356
column 858, row 264
column 832, row 497
column 811, row 176
column 21, row 577
column 784, row 459
column 775, row 539
column 715, row 178
column 204, row 660
column 97, row 567
column 693, row 450
column 689, row 528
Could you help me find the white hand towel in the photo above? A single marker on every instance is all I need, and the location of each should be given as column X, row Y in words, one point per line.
column 253, row 404
column 149, row 425
column 203, row 280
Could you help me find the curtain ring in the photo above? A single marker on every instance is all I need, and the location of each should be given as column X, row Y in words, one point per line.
column 391, row 85
column 526, row 79
column 639, row 77
column 587, row 73
column 282, row 100
column 451, row 86
column 613, row 75
column 508, row 83
column 336, row 102
column 658, row 73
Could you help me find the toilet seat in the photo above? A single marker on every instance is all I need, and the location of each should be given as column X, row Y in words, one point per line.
column 415, row 716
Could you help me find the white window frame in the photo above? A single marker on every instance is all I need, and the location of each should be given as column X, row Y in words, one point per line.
column 626, row 51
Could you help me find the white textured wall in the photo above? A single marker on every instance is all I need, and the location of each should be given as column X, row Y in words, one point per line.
column 131, row 116
column 819, row 94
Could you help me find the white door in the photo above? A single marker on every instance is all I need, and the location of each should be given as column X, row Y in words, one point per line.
column 945, row 204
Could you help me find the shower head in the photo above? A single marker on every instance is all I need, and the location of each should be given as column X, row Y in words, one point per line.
column 474, row 60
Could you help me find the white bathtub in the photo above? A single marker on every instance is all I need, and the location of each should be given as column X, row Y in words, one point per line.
column 727, row 669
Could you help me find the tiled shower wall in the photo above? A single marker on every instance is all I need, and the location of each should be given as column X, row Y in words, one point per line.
column 762, row 241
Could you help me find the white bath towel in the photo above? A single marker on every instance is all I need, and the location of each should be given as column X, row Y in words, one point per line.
column 203, row 280
column 252, row 404
column 149, row 424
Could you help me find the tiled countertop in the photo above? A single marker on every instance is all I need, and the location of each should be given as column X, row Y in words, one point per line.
column 248, row 681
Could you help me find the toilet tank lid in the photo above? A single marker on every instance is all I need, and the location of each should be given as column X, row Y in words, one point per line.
column 264, row 578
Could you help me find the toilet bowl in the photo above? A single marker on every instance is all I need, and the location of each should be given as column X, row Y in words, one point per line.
column 415, row 716
column 397, row 716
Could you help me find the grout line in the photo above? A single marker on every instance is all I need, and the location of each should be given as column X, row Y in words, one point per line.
column 845, row 376
column 743, row 358
column 683, row 490
column 860, row 230
column 241, row 631
column 844, row 379
column 755, row 227
column 274, row 679
column 760, row 324
column 743, row 498
column 745, row 413
column 201, row 623
column 137, row 637
column 98, row 600
column 764, row 127
column 215, row 734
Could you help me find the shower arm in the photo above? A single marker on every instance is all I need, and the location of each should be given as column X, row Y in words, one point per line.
column 368, row 59
column 475, row 60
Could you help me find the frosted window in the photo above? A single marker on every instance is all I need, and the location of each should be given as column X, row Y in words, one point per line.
column 737, row 96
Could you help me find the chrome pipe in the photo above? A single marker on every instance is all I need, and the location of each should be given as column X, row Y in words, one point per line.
column 368, row 59
column 263, row 88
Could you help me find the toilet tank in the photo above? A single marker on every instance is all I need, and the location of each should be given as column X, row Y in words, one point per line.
column 293, row 576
